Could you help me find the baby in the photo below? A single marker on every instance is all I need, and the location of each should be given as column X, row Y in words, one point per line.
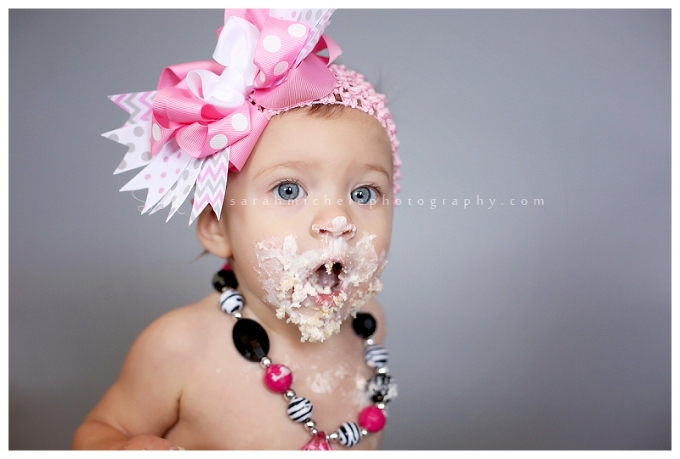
column 286, row 353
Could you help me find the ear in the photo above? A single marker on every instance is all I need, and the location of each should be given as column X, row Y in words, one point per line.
column 212, row 234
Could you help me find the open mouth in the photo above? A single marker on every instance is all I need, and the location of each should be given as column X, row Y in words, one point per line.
column 327, row 281
column 318, row 289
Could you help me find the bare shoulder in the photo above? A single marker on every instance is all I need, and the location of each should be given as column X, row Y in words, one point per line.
column 177, row 332
column 376, row 310
column 168, row 345
column 146, row 396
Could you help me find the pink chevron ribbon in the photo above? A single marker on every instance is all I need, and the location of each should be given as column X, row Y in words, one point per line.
column 211, row 184
column 137, row 104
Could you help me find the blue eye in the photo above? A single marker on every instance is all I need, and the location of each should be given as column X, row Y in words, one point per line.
column 364, row 195
column 289, row 191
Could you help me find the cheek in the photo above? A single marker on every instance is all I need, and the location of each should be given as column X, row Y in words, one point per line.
column 249, row 225
column 381, row 226
column 247, row 222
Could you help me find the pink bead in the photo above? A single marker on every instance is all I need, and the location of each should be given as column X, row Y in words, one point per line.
column 278, row 378
column 372, row 419
column 318, row 443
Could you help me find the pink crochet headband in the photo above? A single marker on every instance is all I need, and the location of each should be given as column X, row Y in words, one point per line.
column 206, row 117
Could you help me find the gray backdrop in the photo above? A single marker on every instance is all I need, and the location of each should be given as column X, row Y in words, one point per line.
column 543, row 325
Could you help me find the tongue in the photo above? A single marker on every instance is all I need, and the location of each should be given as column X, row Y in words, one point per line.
column 328, row 279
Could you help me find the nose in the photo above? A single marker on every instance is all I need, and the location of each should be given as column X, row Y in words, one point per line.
column 338, row 227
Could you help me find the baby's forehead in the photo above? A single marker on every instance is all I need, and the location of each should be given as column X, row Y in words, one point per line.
column 301, row 127
column 337, row 144
column 354, row 92
column 364, row 124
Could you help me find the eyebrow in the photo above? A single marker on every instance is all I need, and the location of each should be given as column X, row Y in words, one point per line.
column 307, row 165
column 299, row 165
column 377, row 168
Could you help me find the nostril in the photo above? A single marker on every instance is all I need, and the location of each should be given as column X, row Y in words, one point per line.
column 339, row 226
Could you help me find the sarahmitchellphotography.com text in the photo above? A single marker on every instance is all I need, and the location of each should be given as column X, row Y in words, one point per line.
column 477, row 202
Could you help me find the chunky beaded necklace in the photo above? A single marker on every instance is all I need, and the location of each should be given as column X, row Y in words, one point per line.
column 252, row 342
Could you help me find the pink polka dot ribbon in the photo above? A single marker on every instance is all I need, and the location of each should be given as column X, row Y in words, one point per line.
column 260, row 56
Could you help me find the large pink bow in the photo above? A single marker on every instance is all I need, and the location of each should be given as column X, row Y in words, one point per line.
column 205, row 105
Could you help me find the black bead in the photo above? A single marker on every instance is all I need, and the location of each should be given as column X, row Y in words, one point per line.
column 250, row 339
column 224, row 279
column 364, row 324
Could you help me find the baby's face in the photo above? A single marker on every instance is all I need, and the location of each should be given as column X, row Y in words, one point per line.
column 309, row 218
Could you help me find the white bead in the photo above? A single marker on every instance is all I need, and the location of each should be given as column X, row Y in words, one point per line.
column 231, row 301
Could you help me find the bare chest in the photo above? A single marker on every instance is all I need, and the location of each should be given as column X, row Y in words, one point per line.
column 228, row 406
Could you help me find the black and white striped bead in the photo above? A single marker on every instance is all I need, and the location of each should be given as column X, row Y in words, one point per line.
column 231, row 301
column 300, row 409
column 349, row 434
column 376, row 356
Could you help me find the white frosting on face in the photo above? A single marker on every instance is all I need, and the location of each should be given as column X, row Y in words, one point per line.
column 319, row 288
column 339, row 227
